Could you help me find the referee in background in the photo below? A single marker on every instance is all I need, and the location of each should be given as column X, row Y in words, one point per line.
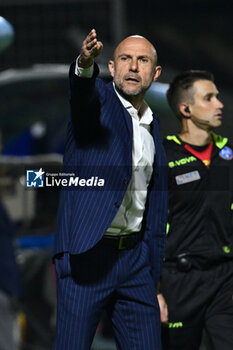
column 196, row 290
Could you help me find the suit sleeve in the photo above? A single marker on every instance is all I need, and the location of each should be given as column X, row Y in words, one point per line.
column 85, row 103
column 157, row 209
column 155, row 234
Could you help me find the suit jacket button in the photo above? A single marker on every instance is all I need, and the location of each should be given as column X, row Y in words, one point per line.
column 125, row 181
column 117, row 204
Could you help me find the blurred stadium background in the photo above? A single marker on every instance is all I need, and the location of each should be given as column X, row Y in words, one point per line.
column 34, row 107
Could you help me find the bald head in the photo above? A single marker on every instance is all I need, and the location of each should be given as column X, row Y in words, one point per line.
column 134, row 41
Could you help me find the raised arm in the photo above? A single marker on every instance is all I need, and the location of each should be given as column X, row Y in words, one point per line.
column 91, row 48
column 84, row 97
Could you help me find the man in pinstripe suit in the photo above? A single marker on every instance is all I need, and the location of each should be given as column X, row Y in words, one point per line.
column 109, row 242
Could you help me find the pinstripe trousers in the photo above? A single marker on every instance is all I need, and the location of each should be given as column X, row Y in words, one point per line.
column 104, row 278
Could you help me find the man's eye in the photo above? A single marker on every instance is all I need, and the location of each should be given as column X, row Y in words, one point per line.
column 124, row 58
column 144, row 60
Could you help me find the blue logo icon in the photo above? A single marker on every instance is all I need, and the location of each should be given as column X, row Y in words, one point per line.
column 226, row 153
column 35, row 178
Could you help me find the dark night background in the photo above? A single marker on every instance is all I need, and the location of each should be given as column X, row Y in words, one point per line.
column 187, row 34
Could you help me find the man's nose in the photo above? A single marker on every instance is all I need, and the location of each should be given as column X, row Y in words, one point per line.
column 134, row 65
column 220, row 104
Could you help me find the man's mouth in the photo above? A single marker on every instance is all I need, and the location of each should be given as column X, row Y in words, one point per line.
column 218, row 115
column 132, row 79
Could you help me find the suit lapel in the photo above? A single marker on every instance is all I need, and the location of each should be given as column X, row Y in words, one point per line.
column 156, row 138
column 128, row 120
column 127, row 116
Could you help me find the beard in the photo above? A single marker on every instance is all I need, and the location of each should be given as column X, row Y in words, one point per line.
column 125, row 92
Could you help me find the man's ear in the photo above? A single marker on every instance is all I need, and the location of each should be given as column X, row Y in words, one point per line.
column 158, row 70
column 111, row 67
column 184, row 110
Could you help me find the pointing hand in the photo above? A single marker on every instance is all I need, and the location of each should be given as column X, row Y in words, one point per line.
column 90, row 49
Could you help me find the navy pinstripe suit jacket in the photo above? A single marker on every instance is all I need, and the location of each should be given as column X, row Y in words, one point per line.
column 99, row 143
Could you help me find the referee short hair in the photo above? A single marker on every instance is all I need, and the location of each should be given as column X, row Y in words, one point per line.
column 180, row 89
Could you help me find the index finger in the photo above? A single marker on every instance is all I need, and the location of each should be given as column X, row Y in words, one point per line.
column 92, row 35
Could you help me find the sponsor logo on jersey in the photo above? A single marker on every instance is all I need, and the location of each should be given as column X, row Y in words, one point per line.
column 182, row 161
column 226, row 153
column 188, row 177
column 175, row 324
